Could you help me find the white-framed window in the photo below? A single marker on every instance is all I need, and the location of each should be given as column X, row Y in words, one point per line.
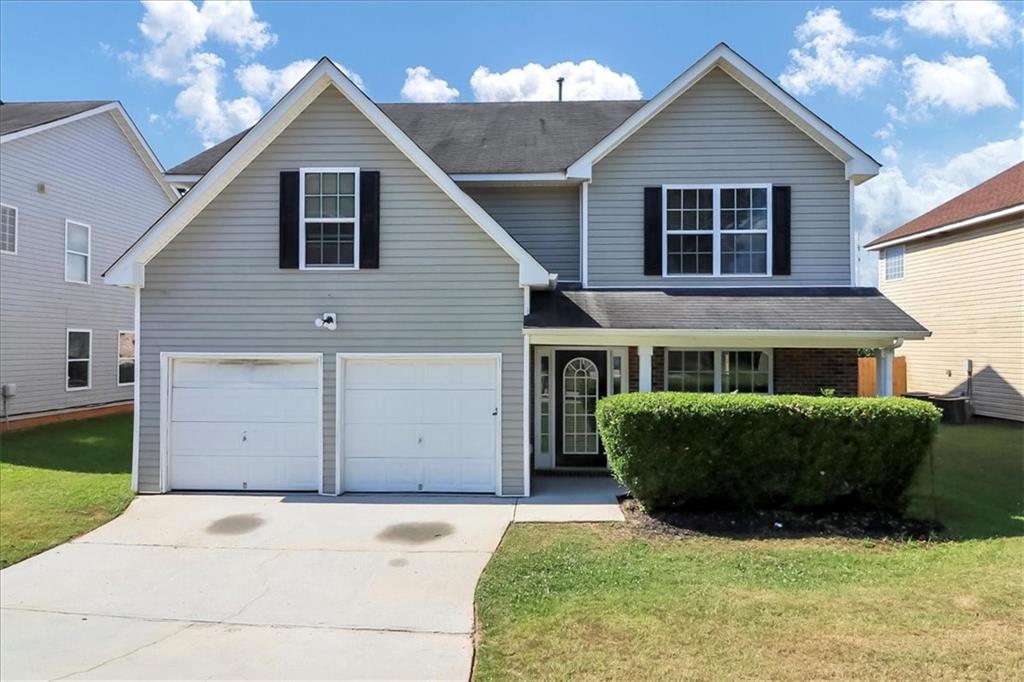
column 894, row 262
column 700, row 370
column 329, row 219
column 79, row 359
column 717, row 230
column 77, row 250
column 8, row 229
column 125, row 358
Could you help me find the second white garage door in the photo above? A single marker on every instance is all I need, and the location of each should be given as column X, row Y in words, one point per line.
column 419, row 423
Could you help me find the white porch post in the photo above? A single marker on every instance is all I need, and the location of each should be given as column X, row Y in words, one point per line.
column 644, row 354
column 883, row 371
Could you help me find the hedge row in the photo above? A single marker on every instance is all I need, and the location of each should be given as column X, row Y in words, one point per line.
column 758, row 451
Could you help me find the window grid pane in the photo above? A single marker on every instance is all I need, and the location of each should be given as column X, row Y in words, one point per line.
column 745, row 371
column 691, row 371
column 78, row 359
column 8, row 231
column 744, row 227
column 330, row 201
column 331, row 244
column 894, row 262
column 126, row 357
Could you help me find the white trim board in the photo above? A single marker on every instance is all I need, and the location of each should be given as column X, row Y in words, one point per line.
column 718, row 338
column 859, row 165
column 127, row 126
column 942, row 229
column 129, row 268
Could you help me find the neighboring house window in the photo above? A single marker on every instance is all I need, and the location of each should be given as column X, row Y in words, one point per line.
column 8, row 229
column 329, row 221
column 894, row 262
column 125, row 358
column 79, row 359
column 77, row 246
column 717, row 230
column 718, row 371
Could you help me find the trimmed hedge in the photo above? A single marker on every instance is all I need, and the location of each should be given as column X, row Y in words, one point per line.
column 764, row 451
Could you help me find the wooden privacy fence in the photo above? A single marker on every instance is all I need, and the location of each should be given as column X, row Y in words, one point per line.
column 866, row 376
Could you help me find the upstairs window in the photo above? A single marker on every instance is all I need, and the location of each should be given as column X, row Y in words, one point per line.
column 8, row 229
column 77, row 248
column 894, row 262
column 329, row 223
column 717, row 230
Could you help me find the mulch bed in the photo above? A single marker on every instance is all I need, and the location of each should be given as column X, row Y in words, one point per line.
column 778, row 524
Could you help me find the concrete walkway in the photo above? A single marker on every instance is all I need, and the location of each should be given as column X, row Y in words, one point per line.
column 269, row 586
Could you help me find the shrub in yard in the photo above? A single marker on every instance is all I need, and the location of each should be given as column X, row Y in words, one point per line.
column 762, row 451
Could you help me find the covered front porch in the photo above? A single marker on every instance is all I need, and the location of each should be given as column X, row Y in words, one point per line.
column 585, row 345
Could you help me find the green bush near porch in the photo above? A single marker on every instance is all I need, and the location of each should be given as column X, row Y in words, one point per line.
column 762, row 451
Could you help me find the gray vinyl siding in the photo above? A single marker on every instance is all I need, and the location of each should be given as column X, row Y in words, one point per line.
column 443, row 284
column 718, row 132
column 545, row 220
column 92, row 175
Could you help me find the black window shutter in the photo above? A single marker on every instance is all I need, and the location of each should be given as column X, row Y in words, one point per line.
column 780, row 230
column 288, row 220
column 369, row 220
column 652, row 231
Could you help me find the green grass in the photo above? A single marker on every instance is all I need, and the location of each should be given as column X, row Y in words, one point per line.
column 61, row 480
column 603, row 601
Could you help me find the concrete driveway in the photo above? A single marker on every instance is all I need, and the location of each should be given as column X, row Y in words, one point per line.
column 258, row 587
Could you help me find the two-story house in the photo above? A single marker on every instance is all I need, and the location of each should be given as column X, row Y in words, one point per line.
column 433, row 297
column 78, row 184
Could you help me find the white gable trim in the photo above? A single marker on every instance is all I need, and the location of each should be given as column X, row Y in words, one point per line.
column 129, row 269
column 127, row 126
column 859, row 165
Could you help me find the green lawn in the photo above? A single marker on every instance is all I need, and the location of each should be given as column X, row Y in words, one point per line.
column 604, row 602
column 61, row 480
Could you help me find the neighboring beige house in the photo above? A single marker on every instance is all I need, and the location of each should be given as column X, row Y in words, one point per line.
column 959, row 271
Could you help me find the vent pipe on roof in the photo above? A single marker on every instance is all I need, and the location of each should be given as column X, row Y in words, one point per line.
column 560, row 80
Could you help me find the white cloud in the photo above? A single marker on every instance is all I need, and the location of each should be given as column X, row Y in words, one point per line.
column 271, row 85
column 981, row 23
column 214, row 118
column 421, row 86
column 825, row 58
column 963, row 84
column 175, row 29
column 892, row 198
column 587, row 80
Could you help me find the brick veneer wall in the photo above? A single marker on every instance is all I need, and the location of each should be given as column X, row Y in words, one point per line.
column 657, row 369
column 808, row 370
column 634, row 369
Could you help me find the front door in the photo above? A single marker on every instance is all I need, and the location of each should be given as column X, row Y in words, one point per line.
column 580, row 380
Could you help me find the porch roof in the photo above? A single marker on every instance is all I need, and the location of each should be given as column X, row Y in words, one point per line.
column 859, row 310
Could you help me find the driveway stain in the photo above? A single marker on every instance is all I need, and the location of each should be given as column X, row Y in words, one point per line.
column 236, row 524
column 398, row 563
column 416, row 533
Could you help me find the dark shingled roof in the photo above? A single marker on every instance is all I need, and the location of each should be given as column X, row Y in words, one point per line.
column 838, row 309
column 486, row 137
column 18, row 116
column 996, row 193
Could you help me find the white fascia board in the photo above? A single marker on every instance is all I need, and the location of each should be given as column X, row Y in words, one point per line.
column 720, row 338
column 501, row 178
column 320, row 77
column 942, row 229
column 859, row 165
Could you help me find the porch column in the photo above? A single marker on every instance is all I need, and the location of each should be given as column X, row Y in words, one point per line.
column 883, row 371
column 644, row 354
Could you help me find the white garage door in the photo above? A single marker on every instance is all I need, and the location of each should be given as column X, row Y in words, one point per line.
column 245, row 424
column 422, row 423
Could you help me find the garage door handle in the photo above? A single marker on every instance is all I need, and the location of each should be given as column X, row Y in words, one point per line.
column 495, row 413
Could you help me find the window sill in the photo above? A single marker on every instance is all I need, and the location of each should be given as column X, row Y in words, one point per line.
column 76, row 390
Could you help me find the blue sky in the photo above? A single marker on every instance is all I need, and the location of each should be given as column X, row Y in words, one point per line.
column 933, row 91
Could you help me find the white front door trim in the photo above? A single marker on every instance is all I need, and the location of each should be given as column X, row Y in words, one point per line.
column 342, row 358
column 166, row 366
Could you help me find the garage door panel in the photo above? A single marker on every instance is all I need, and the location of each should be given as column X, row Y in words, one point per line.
column 419, row 424
column 245, row 404
column 226, row 373
column 244, row 439
column 226, row 473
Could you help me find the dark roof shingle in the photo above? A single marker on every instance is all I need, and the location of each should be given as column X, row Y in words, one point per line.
column 837, row 309
column 486, row 137
column 996, row 193
column 18, row 116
